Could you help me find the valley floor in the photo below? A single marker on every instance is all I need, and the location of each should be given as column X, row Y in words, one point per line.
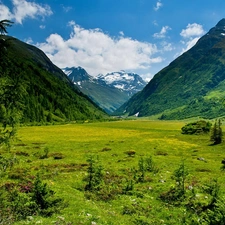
column 124, row 172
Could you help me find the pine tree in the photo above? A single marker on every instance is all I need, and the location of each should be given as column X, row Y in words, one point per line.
column 216, row 134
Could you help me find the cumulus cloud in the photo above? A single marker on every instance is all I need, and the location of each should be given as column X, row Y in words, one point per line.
column 97, row 52
column 23, row 9
column 191, row 35
column 4, row 12
column 191, row 30
column 158, row 5
column 162, row 33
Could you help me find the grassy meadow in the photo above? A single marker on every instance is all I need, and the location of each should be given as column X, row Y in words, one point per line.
column 126, row 193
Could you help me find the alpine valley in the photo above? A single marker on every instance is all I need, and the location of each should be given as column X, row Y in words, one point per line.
column 193, row 85
column 108, row 91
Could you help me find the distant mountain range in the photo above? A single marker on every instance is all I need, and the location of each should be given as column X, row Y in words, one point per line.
column 193, row 85
column 45, row 93
column 108, row 91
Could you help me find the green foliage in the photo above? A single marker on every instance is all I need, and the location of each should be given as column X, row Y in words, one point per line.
column 46, row 152
column 95, row 175
column 44, row 198
column 180, row 176
column 7, row 163
column 145, row 165
column 197, row 127
column 28, row 198
column 11, row 105
column 150, row 165
column 177, row 193
column 141, row 170
column 216, row 134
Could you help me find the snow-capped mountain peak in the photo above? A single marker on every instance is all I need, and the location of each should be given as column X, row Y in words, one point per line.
column 109, row 91
column 130, row 82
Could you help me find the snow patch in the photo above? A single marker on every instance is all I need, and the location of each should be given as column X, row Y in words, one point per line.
column 127, row 77
column 67, row 72
column 119, row 86
column 117, row 76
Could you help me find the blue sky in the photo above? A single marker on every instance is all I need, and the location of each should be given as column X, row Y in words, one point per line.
column 102, row 36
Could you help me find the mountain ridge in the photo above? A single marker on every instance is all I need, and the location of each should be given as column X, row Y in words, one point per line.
column 180, row 90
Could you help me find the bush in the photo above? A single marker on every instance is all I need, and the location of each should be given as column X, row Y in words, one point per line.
column 197, row 127
column 27, row 199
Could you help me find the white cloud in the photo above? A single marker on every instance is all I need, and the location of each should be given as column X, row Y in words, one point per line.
column 29, row 41
column 97, row 52
column 158, row 5
column 23, row 9
column 189, row 44
column 191, row 35
column 167, row 47
column 192, row 30
column 67, row 8
column 5, row 12
column 162, row 33
column 42, row 27
column 147, row 77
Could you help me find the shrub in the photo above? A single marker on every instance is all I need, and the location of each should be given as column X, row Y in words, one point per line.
column 95, row 175
column 177, row 192
column 27, row 198
column 44, row 198
column 57, row 155
column 197, row 127
column 130, row 153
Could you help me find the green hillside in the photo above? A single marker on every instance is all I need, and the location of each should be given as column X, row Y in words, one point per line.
column 108, row 98
column 192, row 85
column 42, row 91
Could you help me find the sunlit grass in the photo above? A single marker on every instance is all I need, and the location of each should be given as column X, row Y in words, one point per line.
column 110, row 141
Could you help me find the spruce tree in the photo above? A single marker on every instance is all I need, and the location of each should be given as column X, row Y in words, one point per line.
column 216, row 134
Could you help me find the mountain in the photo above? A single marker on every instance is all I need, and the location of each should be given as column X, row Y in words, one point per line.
column 192, row 85
column 42, row 89
column 108, row 91
column 130, row 83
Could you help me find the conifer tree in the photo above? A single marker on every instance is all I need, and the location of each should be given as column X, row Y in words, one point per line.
column 216, row 134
